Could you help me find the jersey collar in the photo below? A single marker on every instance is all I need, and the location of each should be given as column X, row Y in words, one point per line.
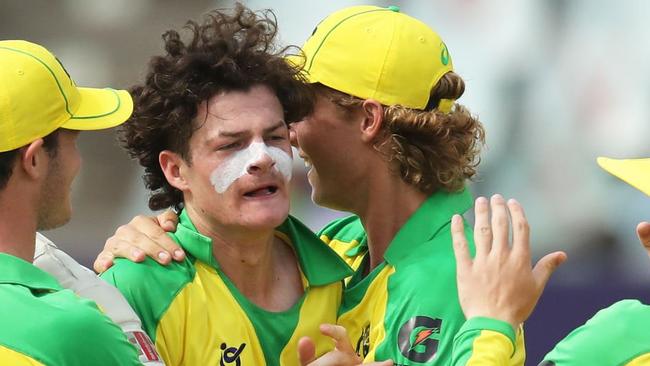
column 428, row 219
column 320, row 264
column 16, row 271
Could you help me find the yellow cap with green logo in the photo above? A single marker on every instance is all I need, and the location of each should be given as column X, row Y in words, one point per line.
column 37, row 96
column 635, row 172
column 377, row 53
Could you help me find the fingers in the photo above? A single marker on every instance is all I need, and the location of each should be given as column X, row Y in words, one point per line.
column 128, row 240
column 482, row 229
column 500, row 225
column 148, row 235
column 340, row 337
column 545, row 267
column 461, row 251
column 117, row 248
column 103, row 262
column 306, row 351
column 520, row 230
column 168, row 220
column 643, row 233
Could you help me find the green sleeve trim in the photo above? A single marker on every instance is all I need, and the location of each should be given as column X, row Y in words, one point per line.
column 482, row 323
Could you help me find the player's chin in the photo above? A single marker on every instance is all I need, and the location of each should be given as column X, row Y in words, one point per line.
column 265, row 214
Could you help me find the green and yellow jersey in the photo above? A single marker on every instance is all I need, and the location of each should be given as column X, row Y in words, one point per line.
column 617, row 335
column 196, row 316
column 406, row 309
column 43, row 324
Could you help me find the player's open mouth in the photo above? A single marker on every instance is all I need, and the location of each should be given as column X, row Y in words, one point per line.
column 261, row 192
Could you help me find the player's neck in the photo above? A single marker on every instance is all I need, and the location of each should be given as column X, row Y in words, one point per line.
column 261, row 266
column 266, row 274
column 17, row 225
column 389, row 206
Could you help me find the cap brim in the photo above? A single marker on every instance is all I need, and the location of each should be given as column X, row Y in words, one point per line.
column 100, row 109
column 635, row 172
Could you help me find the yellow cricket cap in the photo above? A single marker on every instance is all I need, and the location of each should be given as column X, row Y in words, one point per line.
column 37, row 96
column 635, row 172
column 376, row 53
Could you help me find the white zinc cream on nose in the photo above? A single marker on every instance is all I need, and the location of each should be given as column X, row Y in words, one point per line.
column 238, row 163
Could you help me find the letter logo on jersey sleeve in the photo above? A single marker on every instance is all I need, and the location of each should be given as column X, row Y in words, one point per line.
column 418, row 338
column 363, row 344
column 230, row 355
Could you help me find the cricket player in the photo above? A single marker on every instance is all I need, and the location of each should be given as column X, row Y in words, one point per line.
column 210, row 128
column 388, row 142
column 498, row 290
column 41, row 114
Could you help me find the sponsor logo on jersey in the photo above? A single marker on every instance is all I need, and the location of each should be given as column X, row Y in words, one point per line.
column 230, row 355
column 363, row 344
column 418, row 338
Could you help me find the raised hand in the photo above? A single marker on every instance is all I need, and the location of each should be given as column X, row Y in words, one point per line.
column 500, row 282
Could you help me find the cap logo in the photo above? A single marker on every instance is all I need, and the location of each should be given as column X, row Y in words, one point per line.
column 444, row 54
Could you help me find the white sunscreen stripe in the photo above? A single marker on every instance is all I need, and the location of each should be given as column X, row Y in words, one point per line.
column 237, row 165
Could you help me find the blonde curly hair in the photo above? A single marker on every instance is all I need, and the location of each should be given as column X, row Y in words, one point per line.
column 428, row 149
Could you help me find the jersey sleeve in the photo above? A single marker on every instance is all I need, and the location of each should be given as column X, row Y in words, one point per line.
column 97, row 341
column 487, row 342
column 148, row 287
column 617, row 335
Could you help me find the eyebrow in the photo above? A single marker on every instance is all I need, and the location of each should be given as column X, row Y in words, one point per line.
column 267, row 130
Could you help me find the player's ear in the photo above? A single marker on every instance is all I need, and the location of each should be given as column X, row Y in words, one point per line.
column 174, row 168
column 373, row 118
column 34, row 160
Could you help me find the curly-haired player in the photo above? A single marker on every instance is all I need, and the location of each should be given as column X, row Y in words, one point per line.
column 210, row 128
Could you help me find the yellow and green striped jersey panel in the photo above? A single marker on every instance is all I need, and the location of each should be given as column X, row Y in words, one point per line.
column 44, row 324
column 196, row 316
column 406, row 309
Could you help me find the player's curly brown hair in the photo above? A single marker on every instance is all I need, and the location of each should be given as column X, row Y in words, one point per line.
column 227, row 51
column 428, row 149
